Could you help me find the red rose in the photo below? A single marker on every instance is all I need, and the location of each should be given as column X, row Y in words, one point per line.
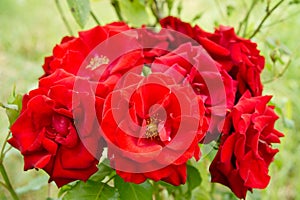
column 46, row 135
column 70, row 54
column 152, row 127
column 238, row 56
column 154, row 44
column 245, row 152
column 193, row 65
column 178, row 25
column 247, row 64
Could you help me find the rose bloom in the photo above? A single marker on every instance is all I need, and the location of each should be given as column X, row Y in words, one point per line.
column 238, row 56
column 152, row 127
column 46, row 135
column 71, row 53
column 246, row 152
column 192, row 65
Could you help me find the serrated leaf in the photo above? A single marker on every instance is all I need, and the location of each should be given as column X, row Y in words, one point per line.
column 193, row 177
column 80, row 10
column 91, row 190
column 134, row 11
column 133, row 191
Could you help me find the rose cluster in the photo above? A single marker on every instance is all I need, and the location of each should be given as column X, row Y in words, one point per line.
column 150, row 98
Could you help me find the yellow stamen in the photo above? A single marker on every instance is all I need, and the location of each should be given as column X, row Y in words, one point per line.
column 96, row 61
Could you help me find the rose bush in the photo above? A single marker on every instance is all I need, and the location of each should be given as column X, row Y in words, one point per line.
column 150, row 97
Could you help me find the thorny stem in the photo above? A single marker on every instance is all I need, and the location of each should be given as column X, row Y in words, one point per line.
column 94, row 17
column 268, row 13
column 62, row 15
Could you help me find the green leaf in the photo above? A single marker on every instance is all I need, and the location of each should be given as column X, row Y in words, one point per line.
column 103, row 171
column 91, row 190
column 170, row 188
column 13, row 108
column 193, row 177
column 66, row 188
column 134, row 11
column 80, row 10
column 133, row 191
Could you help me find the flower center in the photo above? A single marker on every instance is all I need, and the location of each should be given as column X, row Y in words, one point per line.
column 96, row 61
column 152, row 127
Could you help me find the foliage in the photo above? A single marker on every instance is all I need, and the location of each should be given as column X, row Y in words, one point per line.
column 258, row 19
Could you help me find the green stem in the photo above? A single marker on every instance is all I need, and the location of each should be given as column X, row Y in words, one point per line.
column 7, row 182
column 3, row 152
column 267, row 15
column 3, row 184
column 62, row 15
column 95, row 18
column 116, row 6
column 245, row 21
column 7, row 150
column 283, row 19
column 156, row 11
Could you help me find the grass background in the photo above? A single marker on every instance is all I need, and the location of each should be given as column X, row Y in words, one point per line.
column 29, row 29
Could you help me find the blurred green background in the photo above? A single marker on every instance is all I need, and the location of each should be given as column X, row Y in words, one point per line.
column 29, row 29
